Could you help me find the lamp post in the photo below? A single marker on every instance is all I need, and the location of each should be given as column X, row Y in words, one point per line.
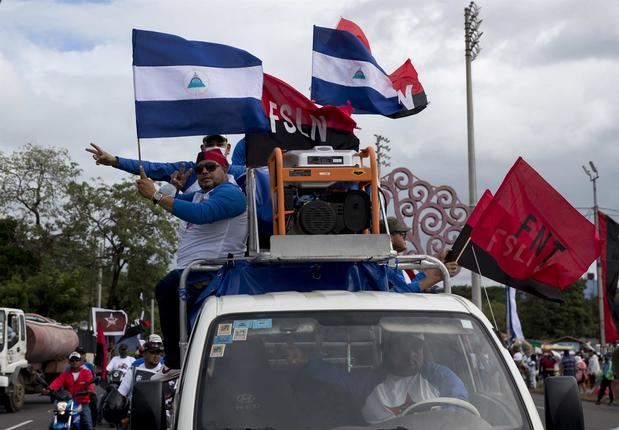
column 593, row 177
column 471, row 50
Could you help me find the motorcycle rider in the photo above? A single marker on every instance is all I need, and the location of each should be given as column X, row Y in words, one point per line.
column 78, row 381
column 121, row 361
column 142, row 372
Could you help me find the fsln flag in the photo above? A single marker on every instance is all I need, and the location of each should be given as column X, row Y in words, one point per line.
column 469, row 255
column 187, row 88
column 530, row 237
column 349, row 26
column 344, row 71
column 297, row 123
column 609, row 234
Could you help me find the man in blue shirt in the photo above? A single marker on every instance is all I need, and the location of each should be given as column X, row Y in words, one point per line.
column 568, row 365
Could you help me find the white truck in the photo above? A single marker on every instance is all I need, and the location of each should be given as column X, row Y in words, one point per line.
column 319, row 355
column 32, row 347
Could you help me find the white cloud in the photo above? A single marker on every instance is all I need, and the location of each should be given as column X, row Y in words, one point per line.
column 545, row 84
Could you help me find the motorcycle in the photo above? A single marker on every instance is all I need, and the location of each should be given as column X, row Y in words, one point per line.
column 66, row 412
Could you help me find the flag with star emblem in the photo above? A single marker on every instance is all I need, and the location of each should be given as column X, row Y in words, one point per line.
column 189, row 88
column 113, row 322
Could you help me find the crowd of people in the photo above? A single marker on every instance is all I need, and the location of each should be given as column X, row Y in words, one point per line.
column 594, row 372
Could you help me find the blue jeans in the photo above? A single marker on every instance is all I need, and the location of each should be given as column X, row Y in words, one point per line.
column 85, row 417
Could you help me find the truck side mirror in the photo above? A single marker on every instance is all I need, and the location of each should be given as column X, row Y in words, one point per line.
column 147, row 408
column 562, row 403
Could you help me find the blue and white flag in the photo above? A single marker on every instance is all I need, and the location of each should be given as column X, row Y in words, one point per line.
column 188, row 88
column 344, row 71
column 515, row 328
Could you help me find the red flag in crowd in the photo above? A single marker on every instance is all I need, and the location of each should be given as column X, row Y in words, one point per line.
column 297, row 123
column 528, row 236
column 609, row 235
column 101, row 355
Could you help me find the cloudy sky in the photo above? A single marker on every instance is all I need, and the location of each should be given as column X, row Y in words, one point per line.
column 546, row 84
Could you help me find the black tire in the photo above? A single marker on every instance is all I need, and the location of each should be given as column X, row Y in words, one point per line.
column 14, row 399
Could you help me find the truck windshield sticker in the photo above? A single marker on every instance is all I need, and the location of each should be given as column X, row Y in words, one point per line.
column 223, row 339
column 242, row 324
column 466, row 324
column 217, row 351
column 224, row 329
column 265, row 323
column 239, row 334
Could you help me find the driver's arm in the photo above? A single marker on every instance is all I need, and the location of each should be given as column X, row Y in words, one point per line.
column 445, row 380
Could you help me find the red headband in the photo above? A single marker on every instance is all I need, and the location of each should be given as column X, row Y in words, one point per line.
column 213, row 154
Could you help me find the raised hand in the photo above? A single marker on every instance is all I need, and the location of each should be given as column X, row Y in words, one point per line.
column 179, row 177
column 100, row 156
column 146, row 187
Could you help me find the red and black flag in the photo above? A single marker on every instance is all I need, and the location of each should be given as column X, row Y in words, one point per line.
column 101, row 354
column 527, row 236
column 609, row 235
column 297, row 123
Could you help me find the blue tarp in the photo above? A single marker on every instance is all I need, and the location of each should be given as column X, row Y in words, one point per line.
column 252, row 278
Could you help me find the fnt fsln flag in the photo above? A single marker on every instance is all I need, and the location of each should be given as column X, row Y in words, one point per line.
column 297, row 123
column 188, row 88
column 344, row 71
column 528, row 236
column 609, row 234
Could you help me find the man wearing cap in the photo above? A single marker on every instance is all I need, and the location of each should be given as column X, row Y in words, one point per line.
column 143, row 372
column 216, row 218
column 153, row 338
column 409, row 379
column 78, row 381
column 405, row 281
column 120, row 362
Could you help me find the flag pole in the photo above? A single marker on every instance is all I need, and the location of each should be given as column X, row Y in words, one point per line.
column 139, row 152
column 462, row 251
column 137, row 128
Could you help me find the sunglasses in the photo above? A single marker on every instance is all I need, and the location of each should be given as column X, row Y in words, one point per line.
column 211, row 167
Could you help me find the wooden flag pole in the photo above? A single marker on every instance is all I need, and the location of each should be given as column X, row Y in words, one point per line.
column 139, row 152
column 462, row 251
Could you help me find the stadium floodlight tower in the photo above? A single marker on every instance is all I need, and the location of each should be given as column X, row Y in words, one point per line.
column 471, row 50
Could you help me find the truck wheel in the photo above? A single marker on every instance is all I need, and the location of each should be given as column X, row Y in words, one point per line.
column 14, row 399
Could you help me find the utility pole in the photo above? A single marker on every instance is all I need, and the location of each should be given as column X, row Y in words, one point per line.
column 100, row 277
column 593, row 177
column 382, row 151
column 471, row 50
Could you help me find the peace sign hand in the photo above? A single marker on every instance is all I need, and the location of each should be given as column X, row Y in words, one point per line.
column 179, row 177
column 100, row 156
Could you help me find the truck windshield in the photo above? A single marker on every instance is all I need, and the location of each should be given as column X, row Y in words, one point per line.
column 354, row 370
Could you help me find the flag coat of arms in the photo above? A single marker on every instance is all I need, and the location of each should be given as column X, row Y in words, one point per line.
column 297, row 123
column 345, row 72
column 187, row 88
column 527, row 236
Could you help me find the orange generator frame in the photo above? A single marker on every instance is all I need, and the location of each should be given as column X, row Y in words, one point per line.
column 280, row 176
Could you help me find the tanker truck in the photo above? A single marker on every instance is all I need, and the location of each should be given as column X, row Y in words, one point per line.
column 31, row 347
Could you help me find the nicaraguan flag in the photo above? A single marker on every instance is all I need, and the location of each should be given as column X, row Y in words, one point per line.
column 188, row 88
column 344, row 71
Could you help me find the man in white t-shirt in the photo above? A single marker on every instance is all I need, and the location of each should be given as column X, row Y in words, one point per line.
column 143, row 372
column 120, row 362
column 409, row 379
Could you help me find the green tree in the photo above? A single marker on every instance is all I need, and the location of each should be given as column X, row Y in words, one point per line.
column 34, row 182
column 138, row 237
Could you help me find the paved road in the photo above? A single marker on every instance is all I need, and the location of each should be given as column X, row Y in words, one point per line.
column 36, row 415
